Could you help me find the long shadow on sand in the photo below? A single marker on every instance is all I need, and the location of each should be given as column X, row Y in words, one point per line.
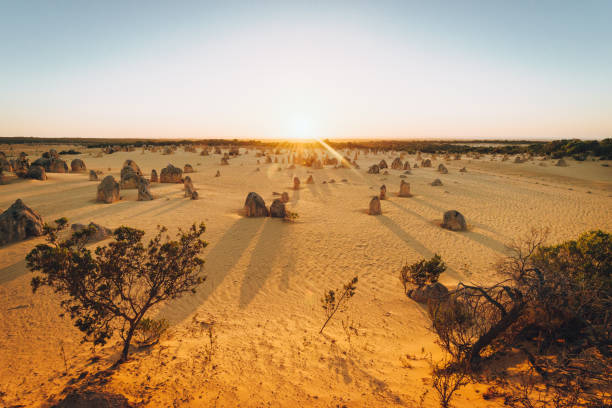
column 489, row 242
column 219, row 262
column 13, row 272
column 262, row 260
column 413, row 243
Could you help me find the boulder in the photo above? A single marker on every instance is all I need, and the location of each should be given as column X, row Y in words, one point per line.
column 78, row 166
column 93, row 176
column 375, row 206
column 310, row 180
column 189, row 189
column 383, row 192
column 218, row 174
column 19, row 222
column 436, row 183
column 436, row 292
column 374, row 169
column 296, row 183
column 98, row 231
column 171, row 174
column 57, row 166
column 284, row 197
column 132, row 164
column 277, row 209
column 442, row 169
column 188, row 169
column 561, row 163
column 397, row 164
column 454, row 221
column 129, row 178
column 154, row 178
column 406, row 165
column 404, row 189
column 383, row 164
column 255, row 206
column 36, row 172
column 194, row 195
column 108, row 190
column 144, row 190
column 426, row 163
column 463, row 170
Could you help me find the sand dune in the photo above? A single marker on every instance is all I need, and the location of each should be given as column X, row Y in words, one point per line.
column 265, row 277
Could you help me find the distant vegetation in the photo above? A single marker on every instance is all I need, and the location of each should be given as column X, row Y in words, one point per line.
column 576, row 148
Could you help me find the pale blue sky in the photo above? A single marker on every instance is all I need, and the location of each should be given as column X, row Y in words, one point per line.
column 507, row 69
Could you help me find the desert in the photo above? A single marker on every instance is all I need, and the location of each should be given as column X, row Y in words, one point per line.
column 249, row 336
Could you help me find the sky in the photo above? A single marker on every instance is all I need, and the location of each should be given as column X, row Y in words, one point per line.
column 318, row 69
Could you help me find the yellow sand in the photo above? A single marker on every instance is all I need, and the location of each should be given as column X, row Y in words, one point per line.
column 266, row 277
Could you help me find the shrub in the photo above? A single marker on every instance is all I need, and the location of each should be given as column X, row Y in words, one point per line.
column 422, row 273
column 553, row 305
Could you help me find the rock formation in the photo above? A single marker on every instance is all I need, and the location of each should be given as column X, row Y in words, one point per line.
column 108, row 190
column 277, row 209
column 404, row 189
column 375, row 206
column 397, row 164
column 189, row 189
column 36, row 172
column 171, row 174
column 255, row 206
column 144, row 190
column 436, row 292
column 454, row 221
column 78, row 166
column 19, row 222
column 374, row 169
column 98, row 231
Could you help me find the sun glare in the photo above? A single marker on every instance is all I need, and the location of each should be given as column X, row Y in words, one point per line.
column 301, row 127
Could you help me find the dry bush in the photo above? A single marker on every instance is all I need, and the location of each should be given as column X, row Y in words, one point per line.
column 331, row 304
column 554, row 305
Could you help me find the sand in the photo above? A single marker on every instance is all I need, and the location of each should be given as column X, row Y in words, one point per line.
column 265, row 278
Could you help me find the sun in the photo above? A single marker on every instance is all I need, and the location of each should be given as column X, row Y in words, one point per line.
column 301, row 127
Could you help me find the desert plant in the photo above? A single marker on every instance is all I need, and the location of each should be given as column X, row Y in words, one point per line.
column 423, row 272
column 115, row 286
column 331, row 304
column 291, row 216
column 553, row 306
column 447, row 379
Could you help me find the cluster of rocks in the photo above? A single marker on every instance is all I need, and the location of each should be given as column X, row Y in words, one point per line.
column 255, row 206
column 190, row 190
